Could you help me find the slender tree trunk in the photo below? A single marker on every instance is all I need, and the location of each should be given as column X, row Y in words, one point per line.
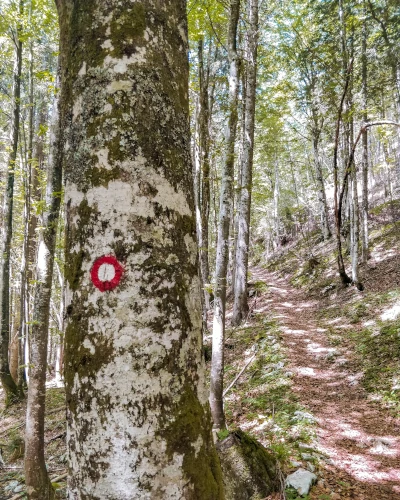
column 338, row 200
column 364, row 85
column 224, row 223
column 277, row 235
column 238, row 183
column 25, row 275
column 204, row 126
column 240, row 307
column 14, row 334
column 9, row 385
column 36, row 476
column 356, row 233
column 323, row 205
column 139, row 425
column 32, row 239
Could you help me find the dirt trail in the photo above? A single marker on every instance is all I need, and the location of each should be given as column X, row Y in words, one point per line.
column 360, row 440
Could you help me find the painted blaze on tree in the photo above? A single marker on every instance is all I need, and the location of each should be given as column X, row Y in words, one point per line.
column 138, row 420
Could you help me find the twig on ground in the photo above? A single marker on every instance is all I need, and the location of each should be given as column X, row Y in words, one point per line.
column 59, row 436
column 240, row 374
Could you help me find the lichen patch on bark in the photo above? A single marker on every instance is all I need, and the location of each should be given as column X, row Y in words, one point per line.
column 133, row 351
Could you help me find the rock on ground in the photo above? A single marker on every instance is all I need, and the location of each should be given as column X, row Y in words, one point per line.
column 301, row 480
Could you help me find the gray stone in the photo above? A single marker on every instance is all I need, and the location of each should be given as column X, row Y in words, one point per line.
column 301, row 480
column 11, row 485
column 18, row 489
column 304, row 416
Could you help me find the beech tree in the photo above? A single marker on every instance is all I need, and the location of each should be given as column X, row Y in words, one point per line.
column 224, row 222
column 240, row 308
column 138, row 418
column 9, row 385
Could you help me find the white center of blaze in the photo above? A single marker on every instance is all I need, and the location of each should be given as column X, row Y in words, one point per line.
column 106, row 272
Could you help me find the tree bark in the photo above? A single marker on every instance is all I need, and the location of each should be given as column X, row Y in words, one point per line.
column 138, row 420
column 204, row 137
column 240, row 307
column 224, row 223
column 36, row 477
column 364, row 90
column 355, row 233
column 338, row 200
column 323, row 205
column 28, row 234
column 10, row 387
column 276, row 204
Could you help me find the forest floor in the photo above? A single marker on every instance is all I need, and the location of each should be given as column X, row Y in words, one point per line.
column 356, row 439
column 321, row 385
column 314, row 374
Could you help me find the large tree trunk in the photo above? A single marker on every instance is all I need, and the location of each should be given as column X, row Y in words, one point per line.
column 36, row 476
column 9, row 385
column 240, row 307
column 224, row 223
column 139, row 425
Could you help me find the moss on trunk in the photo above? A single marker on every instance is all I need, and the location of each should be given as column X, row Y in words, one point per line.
column 138, row 419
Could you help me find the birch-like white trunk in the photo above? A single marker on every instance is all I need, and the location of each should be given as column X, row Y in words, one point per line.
column 276, row 204
column 139, row 425
column 224, row 223
column 364, row 85
column 240, row 307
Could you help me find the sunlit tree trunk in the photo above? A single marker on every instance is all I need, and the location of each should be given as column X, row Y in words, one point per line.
column 240, row 307
column 364, row 85
column 138, row 419
column 355, row 231
column 36, row 476
column 25, row 275
column 9, row 385
column 224, row 223
column 277, row 235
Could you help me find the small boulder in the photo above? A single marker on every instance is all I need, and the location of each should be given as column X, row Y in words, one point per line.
column 301, row 480
column 11, row 485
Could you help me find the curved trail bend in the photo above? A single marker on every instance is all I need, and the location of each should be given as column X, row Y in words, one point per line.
column 359, row 439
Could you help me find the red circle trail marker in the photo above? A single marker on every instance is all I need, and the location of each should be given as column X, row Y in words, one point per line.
column 106, row 273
